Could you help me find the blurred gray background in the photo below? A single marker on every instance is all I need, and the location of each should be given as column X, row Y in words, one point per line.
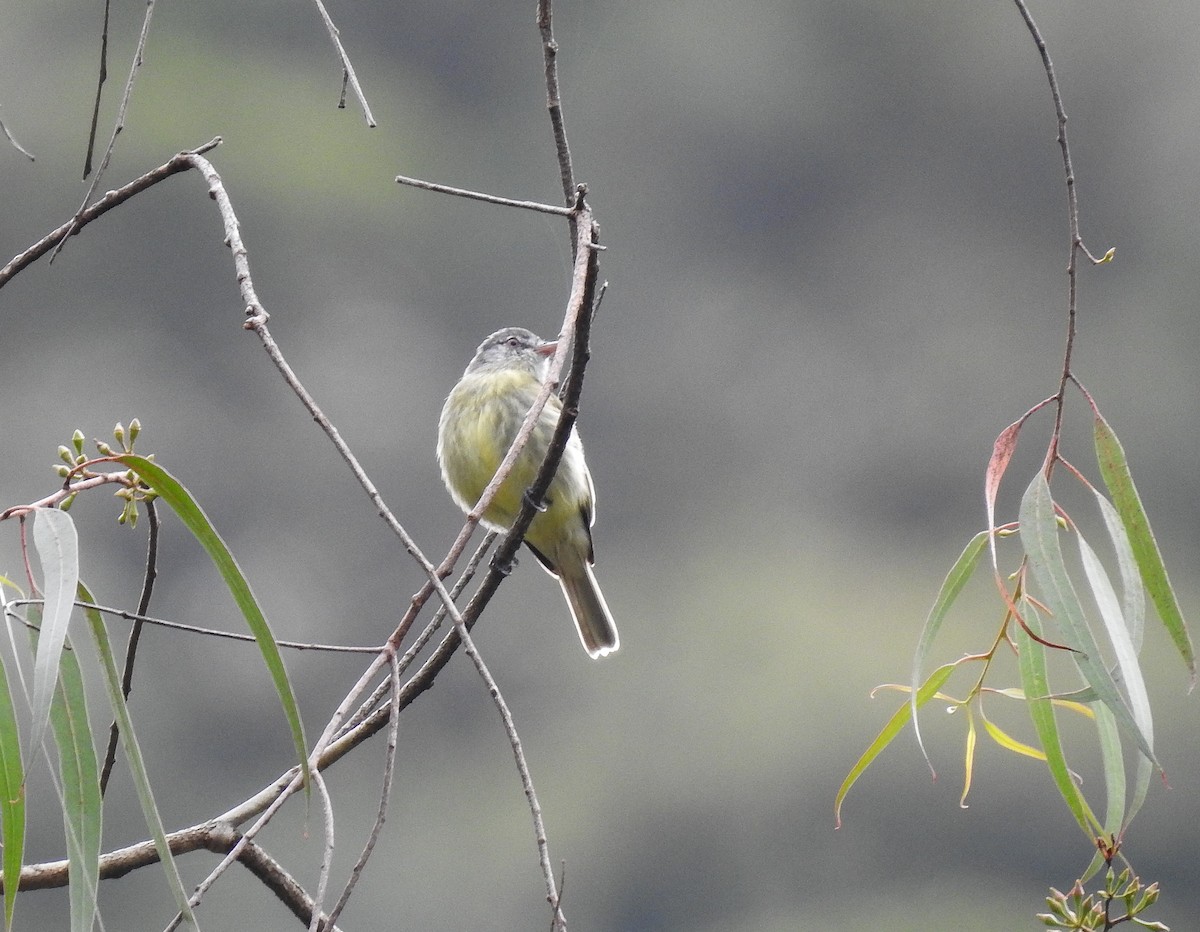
column 836, row 238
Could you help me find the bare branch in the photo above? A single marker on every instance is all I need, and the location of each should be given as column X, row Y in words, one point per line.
column 117, row 127
column 1076, row 240
column 91, row 143
column 314, row 923
column 135, row 634
column 566, row 172
column 487, row 198
column 514, row 740
column 389, row 768
column 347, row 67
column 177, row 164
column 211, row 632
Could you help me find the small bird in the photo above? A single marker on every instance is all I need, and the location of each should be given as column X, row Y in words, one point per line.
column 481, row 417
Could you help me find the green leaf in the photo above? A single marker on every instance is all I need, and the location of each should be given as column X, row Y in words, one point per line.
column 57, row 547
column 196, row 521
column 1118, row 634
column 1134, row 603
column 952, row 585
column 1031, row 658
column 82, row 805
column 1115, row 470
column 1132, row 591
column 1114, row 770
column 133, row 755
column 1039, row 534
column 885, row 737
column 12, row 798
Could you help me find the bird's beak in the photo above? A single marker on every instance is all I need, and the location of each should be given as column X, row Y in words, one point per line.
column 546, row 349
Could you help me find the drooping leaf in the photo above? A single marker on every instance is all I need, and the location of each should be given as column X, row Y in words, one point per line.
column 1133, row 593
column 133, row 755
column 1032, row 663
column 12, row 798
column 1039, row 535
column 1118, row 635
column 1072, row 702
column 196, row 521
column 1114, row 769
column 57, row 547
column 1134, row 611
column 1009, row 743
column 82, row 805
column 885, row 737
column 1002, row 453
column 968, row 757
column 1115, row 470
column 952, row 585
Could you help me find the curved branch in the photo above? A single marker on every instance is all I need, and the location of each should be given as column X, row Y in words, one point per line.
column 179, row 163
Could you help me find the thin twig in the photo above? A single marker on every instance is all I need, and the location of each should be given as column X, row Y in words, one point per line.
column 179, row 163
column 135, row 633
column 566, row 172
column 211, row 632
column 514, row 740
column 327, row 851
column 347, row 68
column 486, row 198
column 389, row 768
column 91, row 143
column 117, row 128
column 1076, row 240
column 221, row 838
column 371, row 704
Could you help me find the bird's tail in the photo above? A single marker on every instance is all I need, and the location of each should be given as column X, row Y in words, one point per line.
column 596, row 627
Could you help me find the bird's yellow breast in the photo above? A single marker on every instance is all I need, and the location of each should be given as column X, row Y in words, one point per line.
column 480, row 420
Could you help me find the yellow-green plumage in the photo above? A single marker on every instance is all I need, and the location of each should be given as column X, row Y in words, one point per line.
column 481, row 417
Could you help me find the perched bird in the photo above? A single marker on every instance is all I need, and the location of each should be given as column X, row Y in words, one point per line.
column 482, row 415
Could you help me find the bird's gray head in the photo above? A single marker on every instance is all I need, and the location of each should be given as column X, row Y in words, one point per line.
column 513, row 347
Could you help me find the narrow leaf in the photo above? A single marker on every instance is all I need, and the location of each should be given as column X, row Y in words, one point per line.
column 196, row 521
column 1134, row 603
column 1039, row 534
column 12, row 798
column 57, row 547
column 968, row 758
column 133, row 755
column 1009, row 743
column 1114, row 770
column 81, row 791
column 1132, row 591
column 1032, row 662
column 952, row 585
column 1002, row 452
column 1118, row 634
column 893, row 727
column 1072, row 702
column 1115, row 470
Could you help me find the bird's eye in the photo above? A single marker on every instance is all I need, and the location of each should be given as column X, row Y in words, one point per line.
column 513, row 342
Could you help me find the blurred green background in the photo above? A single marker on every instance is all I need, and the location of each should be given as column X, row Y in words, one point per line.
column 836, row 242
